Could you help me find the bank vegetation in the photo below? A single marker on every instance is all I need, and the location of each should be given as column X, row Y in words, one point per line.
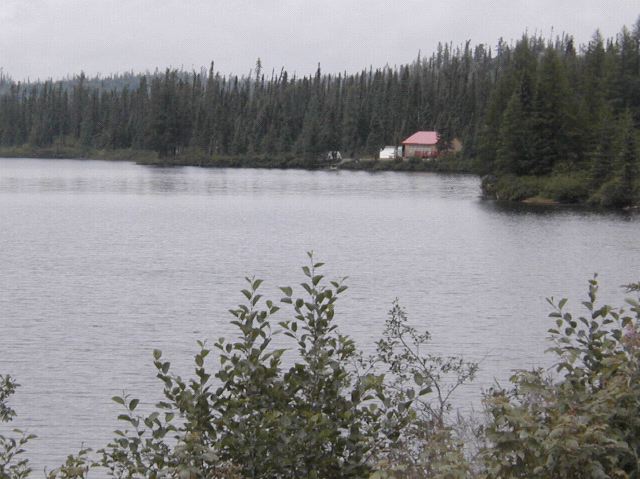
column 336, row 412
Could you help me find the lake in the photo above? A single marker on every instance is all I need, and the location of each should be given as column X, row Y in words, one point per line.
column 102, row 262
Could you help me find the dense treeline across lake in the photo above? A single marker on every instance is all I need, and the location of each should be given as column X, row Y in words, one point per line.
column 565, row 125
column 546, row 117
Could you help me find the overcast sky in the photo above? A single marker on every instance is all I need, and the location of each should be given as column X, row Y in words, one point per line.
column 53, row 38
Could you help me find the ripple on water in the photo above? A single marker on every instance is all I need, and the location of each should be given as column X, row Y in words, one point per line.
column 103, row 262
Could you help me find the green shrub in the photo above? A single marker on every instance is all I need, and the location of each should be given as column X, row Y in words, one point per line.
column 332, row 413
column 13, row 465
column 335, row 413
column 565, row 188
column 424, row 383
column 585, row 423
column 615, row 193
column 513, row 188
column 318, row 418
column 313, row 419
column 560, row 188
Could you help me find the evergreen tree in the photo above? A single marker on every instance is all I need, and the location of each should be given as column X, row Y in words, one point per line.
column 514, row 155
column 550, row 117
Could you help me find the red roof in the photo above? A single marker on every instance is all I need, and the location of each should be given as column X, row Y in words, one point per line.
column 422, row 138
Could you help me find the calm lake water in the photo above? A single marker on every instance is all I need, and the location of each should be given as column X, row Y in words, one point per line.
column 102, row 262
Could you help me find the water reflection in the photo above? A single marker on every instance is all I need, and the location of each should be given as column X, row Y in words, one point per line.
column 74, row 176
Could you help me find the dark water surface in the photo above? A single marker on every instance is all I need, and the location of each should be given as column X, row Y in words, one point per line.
column 102, row 262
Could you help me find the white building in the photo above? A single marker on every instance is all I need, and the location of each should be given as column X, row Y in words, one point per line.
column 390, row 153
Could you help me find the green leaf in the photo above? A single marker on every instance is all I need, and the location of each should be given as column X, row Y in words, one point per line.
column 288, row 291
column 133, row 404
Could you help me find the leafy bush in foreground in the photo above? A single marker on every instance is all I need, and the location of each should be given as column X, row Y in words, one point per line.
column 332, row 413
column 586, row 424
column 428, row 446
column 335, row 413
column 320, row 417
column 12, row 465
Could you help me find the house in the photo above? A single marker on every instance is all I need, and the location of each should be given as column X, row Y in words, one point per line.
column 390, row 153
column 422, row 144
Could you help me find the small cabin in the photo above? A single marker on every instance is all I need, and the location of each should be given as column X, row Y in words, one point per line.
column 422, row 144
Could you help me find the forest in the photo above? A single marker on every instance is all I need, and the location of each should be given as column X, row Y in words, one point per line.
column 539, row 117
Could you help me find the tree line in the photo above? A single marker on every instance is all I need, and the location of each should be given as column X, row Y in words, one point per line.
column 236, row 115
column 533, row 107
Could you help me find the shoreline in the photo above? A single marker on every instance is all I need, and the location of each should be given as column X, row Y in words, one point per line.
column 451, row 165
column 516, row 190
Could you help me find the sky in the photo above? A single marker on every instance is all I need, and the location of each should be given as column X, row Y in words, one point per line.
column 55, row 38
